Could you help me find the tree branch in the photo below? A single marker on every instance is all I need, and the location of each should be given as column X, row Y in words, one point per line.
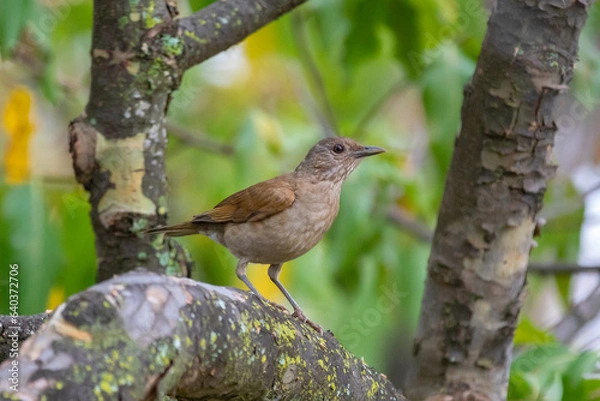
column 409, row 224
column 325, row 113
column 374, row 109
column 223, row 24
column 16, row 329
column 494, row 191
column 144, row 335
column 560, row 268
column 577, row 317
column 199, row 140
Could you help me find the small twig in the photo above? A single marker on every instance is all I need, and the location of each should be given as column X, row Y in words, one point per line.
column 198, row 140
column 375, row 108
column 327, row 117
column 578, row 316
column 560, row 268
column 590, row 191
column 409, row 223
column 566, row 208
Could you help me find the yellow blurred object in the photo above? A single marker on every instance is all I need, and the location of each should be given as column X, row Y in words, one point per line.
column 55, row 297
column 269, row 129
column 19, row 128
column 262, row 42
column 257, row 274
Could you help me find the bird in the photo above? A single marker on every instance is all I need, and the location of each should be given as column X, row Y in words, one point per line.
column 278, row 220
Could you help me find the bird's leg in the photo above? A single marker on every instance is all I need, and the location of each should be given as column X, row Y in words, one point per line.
column 240, row 271
column 274, row 271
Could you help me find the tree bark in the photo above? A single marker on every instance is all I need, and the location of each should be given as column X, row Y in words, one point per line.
column 140, row 52
column 16, row 329
column 494, row 190
column 142, row 336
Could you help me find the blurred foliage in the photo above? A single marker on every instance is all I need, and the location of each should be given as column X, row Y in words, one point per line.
column 392, row 74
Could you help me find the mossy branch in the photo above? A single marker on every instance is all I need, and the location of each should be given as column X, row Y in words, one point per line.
column 223, row 24
column 143, row 335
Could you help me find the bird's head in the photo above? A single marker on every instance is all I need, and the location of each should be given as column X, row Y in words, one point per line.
column 334, row 158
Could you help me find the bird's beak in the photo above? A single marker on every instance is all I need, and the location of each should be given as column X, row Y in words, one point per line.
column 368, row 151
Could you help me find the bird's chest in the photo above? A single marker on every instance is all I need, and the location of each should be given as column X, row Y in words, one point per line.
column 291, row 233
column 315, row 209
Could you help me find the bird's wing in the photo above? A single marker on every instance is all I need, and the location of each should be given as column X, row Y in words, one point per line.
column 254, row 203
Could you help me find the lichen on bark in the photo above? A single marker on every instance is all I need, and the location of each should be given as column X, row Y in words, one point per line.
column 143, row 336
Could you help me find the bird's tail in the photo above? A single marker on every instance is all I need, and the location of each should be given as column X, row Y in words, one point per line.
column 177, row 230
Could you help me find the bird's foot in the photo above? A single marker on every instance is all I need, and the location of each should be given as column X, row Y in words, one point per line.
column 298, row 314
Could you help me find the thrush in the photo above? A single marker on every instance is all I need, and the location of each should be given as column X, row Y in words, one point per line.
column 280, row 219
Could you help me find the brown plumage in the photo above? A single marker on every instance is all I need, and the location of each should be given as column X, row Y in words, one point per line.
column 280, row 219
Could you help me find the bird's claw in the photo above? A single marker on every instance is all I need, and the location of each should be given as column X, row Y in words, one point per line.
column 298, row 314
column 281, row 308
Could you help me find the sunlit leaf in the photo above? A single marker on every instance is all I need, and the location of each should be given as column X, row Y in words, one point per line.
column 528, row 333
column 591, row 389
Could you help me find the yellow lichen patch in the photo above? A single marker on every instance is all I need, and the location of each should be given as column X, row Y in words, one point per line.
column 374, row 388
column 108, row 384
column 19, row 128
column 133, row 67
column 124, row 160
column 286, row 332
column 193, row 36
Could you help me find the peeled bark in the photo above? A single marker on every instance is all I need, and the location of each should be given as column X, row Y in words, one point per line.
column 494, row 190
column 142, row 336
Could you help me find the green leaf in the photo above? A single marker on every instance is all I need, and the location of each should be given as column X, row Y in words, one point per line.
column 591, row 390
column 196, row 5
column 563, row 284
column 521, row 387
column 573, row 378
column 542, row 359
column 13, row 16
column 402, row 18
column 552, row 389
column 362, row 42
column 528, row 333
column 34, row 244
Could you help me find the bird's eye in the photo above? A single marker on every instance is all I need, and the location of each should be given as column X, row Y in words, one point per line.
column 337, row 148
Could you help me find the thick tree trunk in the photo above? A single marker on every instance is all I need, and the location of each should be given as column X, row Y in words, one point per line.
column 141, row 336
column 494, row 190
column 140, row 52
